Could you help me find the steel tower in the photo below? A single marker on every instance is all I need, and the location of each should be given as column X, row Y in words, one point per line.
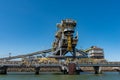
column 65, row 38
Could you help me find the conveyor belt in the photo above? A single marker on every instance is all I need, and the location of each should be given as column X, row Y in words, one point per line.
column 30, row 54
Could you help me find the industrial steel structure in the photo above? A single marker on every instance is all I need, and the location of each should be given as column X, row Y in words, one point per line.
column 66, row 39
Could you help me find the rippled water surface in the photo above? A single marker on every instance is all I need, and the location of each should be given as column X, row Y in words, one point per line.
column 59, row 76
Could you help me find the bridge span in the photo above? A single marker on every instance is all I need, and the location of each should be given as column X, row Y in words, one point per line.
column 65, row 68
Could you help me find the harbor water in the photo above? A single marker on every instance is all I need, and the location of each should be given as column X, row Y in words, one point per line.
column 60, row 76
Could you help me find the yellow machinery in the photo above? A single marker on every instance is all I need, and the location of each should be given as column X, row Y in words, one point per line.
column 47, row 60
column 69, row 47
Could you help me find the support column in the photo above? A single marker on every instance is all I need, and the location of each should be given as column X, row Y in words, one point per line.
column 78, row 70
column 64, row 69
column 74, row 53
column 71, row 68
column 97, row 69
column 3, row 70
column 60, row 51
column 37, row 69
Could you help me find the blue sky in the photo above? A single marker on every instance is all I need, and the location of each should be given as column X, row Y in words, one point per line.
column 29, row 25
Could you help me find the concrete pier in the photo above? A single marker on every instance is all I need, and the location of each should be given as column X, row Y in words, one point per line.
column 64, row 69
column 78, row 70
column 3, row 70
column 97, row 69
column 37, row 69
